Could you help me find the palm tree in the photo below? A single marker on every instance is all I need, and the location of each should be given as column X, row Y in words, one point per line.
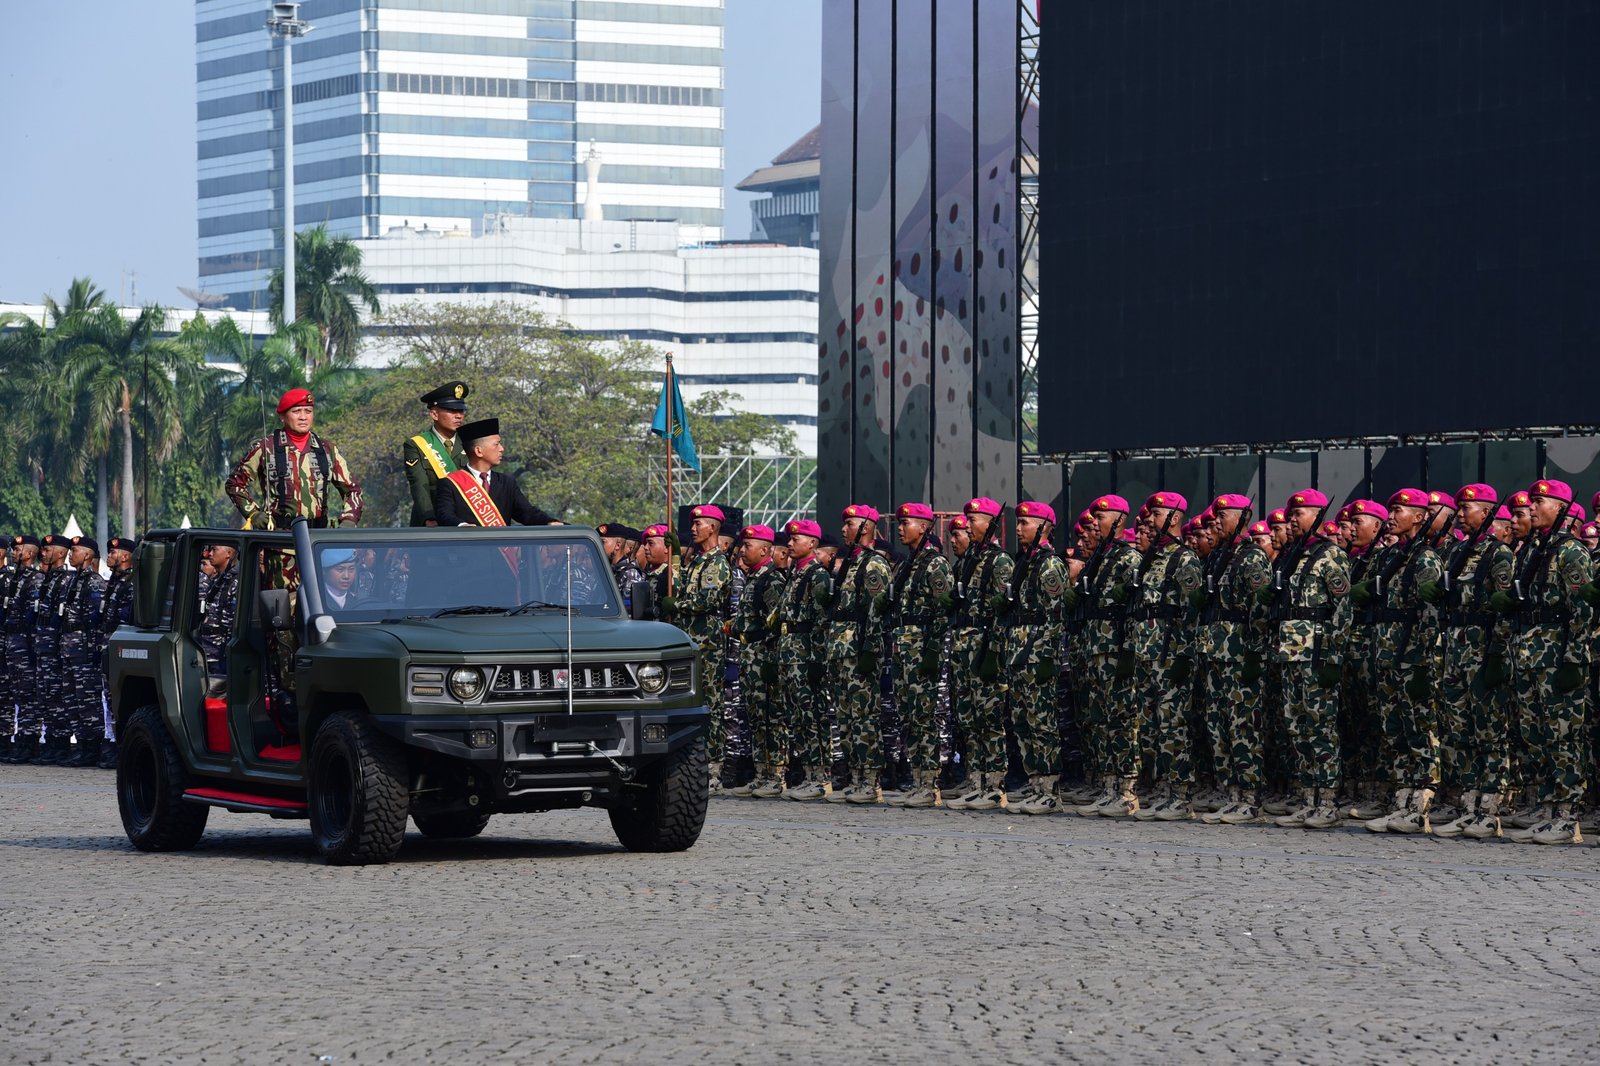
column 249, row 403
column 328, row 287
column 82, row 295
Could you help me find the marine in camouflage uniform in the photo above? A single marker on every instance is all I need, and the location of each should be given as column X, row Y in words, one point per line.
column 1098, row 601
column 1033, row 637
column 755, row 628
column 801, row 659
column 856, row 627
column 8, row 702
column 290, row 473
column 19, row 601
column 1474, row 695
column 51, row 680
column 1311, row 612
column 82, row 648
column 699, row 607
column 1402, row 637
column 1232, row 636
column 920, row 597
column 218, row 605
column 618, row 540
column 982, row 582
column 118, row 611
column 1161, row 637
column 1552, row 603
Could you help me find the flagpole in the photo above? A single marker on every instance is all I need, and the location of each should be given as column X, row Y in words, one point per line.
column 671, row 395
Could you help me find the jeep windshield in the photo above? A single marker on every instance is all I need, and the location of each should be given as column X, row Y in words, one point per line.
column 437, row 575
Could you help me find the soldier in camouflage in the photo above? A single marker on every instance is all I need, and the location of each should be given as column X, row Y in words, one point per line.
column 856, row 625
column 981, row 585
column 118, row 611
column 1033, row 616
column 1552, row 602
column 8, row 701
column 51, row 679
column 1232, row 660
column 293, row 473
column 1365, row 752
column 218, row 605
column 699, row 608
column 19, row 600
column 1311, row 608
column 801, row 655
column 1402, row 637
column 920, row 598
column 1160, row 636
column 755, row 626
column 1473, row 691
column 82, row 648
column 619, row 541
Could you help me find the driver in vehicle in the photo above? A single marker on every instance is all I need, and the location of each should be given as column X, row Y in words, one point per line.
column 339, row 579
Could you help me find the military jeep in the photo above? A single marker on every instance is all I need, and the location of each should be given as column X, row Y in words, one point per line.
column 468, row 672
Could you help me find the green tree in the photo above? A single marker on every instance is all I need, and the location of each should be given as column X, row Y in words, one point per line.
column 329, row 290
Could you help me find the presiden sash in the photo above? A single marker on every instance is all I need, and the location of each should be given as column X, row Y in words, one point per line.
column 476, row 497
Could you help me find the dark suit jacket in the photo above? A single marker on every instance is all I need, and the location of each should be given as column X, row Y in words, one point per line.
column 451, row 510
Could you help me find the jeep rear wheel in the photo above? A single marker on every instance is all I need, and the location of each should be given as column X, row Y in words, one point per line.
column 150, row 784
column 358, row 795
column 668, row 814
column 453, row 826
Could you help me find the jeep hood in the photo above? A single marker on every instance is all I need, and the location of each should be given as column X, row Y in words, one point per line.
column 540, row 634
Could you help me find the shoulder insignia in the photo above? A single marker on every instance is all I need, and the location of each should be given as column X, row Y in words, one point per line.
column 1338, row 581
column 413, row 462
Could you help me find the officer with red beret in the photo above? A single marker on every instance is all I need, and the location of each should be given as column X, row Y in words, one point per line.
column 699, row 607
column 920, row 599
column 289, row 474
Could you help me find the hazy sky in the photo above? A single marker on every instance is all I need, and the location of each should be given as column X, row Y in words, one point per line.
column 97, row 106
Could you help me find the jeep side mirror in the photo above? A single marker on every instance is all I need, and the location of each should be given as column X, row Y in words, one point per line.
column 320, row 629
column 642, row 607
column 276, row 612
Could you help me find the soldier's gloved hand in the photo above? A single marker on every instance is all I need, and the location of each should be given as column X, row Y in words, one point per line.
column 769, row 673
column 1120, row 594
column 1361, row 592
column 1430, row 591
column 1070, row 598
column 1419, row 687
column 1198, row 598
column 947, row 601
column 1044, row 670
column 1252, row 669
column 669, row 605
column 815, row 672
column 673, row 542
column 989, row 666
column 880, row 603
column 867, row 664
column 1265, row 595
column 1125, row 664
column 1569, row 678
column 1182, row 670
column 928, row 665
column 1590, row 593
column 821, row 595
column 1328, row 675
column 1503, row 602
column 1494, row 671
column 1001, row 603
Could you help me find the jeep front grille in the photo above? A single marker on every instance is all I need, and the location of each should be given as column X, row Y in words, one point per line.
column 526, row 681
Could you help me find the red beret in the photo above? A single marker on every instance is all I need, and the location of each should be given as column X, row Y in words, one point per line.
column 708, row 510
column 1173, row 500
column 1230, row 501
column 1409, row 498
column 1307, row 498
column 804, row 527
column 1442, row 499
column 914, row 510
column 1502, row 514
column 862, row 510
column 1279, row 517
column 1520, row 498
column 1369, row 509
column 1260, row 529
column 1555, row 490
column 296, row 398
column 960, row 522
column 982, row 505
column 1110, row 502
column 1478, row 492
column 1578, row 512
column 1035, row 509
column 758, row 532
column 653, row 531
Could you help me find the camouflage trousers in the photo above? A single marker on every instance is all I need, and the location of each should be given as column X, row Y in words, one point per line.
column 1090, row 741
column 51, row 688
column 1474, row 720
column 1117, row 716
column 1551, row 723
column 917, row 695
column 1033, row 702
column 1364, row 744
column 85, row 710
column 1408, row 726
column 20, row 671
column 1233, row 718
column 763, row 710
column 805, row 708
column 855, row 701
column 979, row 705
column 1311, row 721
column 1279, row 755
column 1165, row 705
column 713, row 682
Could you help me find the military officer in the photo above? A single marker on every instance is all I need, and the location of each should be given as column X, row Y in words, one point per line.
column 856, row 625
column 293, row 472
column 1366, row 752
column 755, row 625
column 51, row 678
column 699, row 607
column 82, row 637
column 120, row 558
column 1033, row 638
column 982, row 581
column 920, row 598
column 618, row 540
column 436, row 452
column 801, row 659
column 19, row 600
column 217, row 609
column 8, row 703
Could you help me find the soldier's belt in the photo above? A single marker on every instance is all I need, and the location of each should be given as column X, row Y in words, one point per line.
column 918, row 619
column 1236, row 615
column 1309, row 614
column 795, row 629
column 1105, row 614
column 1031, row 618
column 1154, row 612
column 1548, row 616
column 1393, row 614
column 1487, row 619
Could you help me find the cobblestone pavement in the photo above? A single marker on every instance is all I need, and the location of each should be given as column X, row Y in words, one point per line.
column 790, row 931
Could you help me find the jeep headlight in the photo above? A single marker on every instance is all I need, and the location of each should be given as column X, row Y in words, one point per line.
column 652, row 679
column 466, row 683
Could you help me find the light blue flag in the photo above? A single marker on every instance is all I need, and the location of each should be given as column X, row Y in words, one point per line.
column 682, row 441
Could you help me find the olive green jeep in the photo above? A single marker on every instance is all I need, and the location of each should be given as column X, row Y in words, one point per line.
column 370, row 676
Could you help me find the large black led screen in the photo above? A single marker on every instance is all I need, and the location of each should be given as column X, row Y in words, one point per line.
column 1269, row 220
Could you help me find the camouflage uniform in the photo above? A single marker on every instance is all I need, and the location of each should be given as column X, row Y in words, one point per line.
column 82, row 647
column 1552, row 633
column 1401, row 640
column 20, row 602
column 218, row 604
column 921, row 600
column 1233, row 649
column 1161, row 638
column 628, row 574
column 280, row 483
column 8, row 699
column 984, row 574
column 855, row 636
column 702, row 603
column 52, row 680
column 760, row 602
column 1111, row 715
column 801, row 655
column 1033, row 639
column 1312, row 618
column 1365, row 749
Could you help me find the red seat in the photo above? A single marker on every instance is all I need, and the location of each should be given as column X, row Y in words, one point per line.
column 217, row 738
column 281, row 753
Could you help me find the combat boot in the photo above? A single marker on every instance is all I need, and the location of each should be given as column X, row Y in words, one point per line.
column 841, row 786
column 1159, row 797
column 1372, row 803
column 866, row 789
column 1041, row 798
column 1296, row 819
column 1458, row 825
column 1562, row 828
column 989, row 794
column 1527, row 816
column 812, row 788
column 52, row 752
column 1485, row 823
column 1090, row 808
column 1523, row 834
column 924, row 791
column 772, row 786
column 1214, row 817
column 1245, row 811
column 1414, row 819
column 1123, row 801
column 1402, row 807
column 108, row 755
column 1278, row 803
column 8, row 749
column 1325, row 815
column 1178, row 808
column 83, row 754
column 714, row 773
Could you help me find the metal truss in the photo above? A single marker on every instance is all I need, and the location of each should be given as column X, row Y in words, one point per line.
column 1028, row 249
column 1320, row 444
column 771, row 489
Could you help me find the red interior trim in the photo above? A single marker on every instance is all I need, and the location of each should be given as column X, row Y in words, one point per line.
column 245, row 797
column 286, row 753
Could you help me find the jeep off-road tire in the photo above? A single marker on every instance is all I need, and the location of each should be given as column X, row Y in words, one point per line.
column 150, row 784
column 457, row 825
column 668, row 814
column 357, row 792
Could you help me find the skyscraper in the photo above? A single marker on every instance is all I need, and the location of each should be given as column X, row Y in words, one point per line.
column 436, row 112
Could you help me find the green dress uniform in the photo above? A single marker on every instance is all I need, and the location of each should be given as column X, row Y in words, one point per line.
column 429, row 458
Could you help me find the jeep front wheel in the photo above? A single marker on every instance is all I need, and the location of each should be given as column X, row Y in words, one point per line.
column 150, row 784
column 358, row 794
column 456, row 825
column 669, row 812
